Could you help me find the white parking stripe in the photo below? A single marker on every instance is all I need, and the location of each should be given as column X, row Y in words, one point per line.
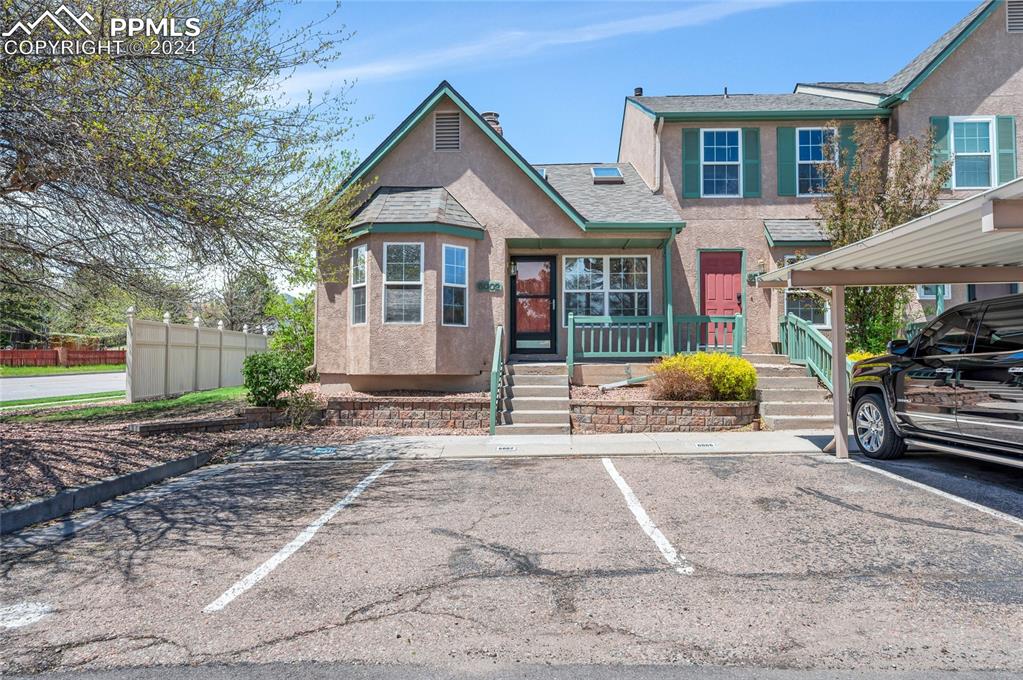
column 296, row 543
column 674, row 558
column 944, row 494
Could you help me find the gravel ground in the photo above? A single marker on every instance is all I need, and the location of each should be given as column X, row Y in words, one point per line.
column 634, row 393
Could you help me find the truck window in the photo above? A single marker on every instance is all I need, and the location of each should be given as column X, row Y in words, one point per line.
column 949, row 334
column 1001, row 330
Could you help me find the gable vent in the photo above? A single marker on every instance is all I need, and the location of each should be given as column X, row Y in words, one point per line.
column 447, row 131
column 1014, row 16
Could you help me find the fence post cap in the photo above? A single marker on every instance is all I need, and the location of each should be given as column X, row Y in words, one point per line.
column 196, row 322
column 220, row 324
column 130, row 311
column 265, row 331
column 245, row 328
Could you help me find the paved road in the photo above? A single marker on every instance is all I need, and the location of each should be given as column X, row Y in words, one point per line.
column 59, row 385
column 709, row 566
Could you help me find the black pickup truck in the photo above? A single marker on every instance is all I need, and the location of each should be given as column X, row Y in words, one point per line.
column 957, row 387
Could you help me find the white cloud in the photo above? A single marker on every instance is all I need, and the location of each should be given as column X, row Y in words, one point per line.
column 510, row 44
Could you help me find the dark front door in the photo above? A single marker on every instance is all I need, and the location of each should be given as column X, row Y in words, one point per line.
column 533, row 304
column 990, row 392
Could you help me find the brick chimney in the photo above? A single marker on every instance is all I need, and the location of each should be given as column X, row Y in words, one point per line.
column 492, row 120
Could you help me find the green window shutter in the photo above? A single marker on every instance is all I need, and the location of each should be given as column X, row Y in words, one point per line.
column 1005, row 135
column 786, row 161
column 942, row 152
column 691, row 163
column 751, row 162
column 847, row 148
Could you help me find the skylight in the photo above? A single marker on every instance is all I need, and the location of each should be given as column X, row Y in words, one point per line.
column 605, row 175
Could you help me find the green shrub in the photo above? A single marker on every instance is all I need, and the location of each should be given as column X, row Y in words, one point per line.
column 270, row 374
column 301, row 407
column 730, row 378
column 680, row 384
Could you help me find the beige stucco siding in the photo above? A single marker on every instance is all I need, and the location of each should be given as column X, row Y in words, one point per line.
column 638, row 142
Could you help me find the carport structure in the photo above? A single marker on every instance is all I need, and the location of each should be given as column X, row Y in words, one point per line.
column 976, row 240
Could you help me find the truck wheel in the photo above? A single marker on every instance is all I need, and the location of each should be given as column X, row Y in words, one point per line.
column 874, row 432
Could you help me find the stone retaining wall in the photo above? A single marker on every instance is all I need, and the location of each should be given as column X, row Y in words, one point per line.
column 599, row 415
column 247, row 418
column 408, row 412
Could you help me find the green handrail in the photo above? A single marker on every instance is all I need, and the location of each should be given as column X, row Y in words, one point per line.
column 806, row 346
column 627, row 337
column 496, row 376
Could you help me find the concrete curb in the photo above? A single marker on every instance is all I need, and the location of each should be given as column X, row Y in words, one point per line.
column 20, row 516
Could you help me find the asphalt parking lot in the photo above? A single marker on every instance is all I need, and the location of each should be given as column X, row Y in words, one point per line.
column 709, row 562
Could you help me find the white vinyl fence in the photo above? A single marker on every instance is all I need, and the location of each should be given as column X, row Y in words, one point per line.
column 167, row 359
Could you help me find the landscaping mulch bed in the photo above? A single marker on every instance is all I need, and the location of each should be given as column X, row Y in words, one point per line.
column 633, row 393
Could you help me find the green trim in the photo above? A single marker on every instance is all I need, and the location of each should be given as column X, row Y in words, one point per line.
column 751, row 162
column 555, row 243
column 1005, row 135
column 811, row 114
column 742, row 281
column 692, row 169
column 941, row 152
column 419, row 228
column 793, row 244
column 903, row 95
column 785, row 140
column 641, row 107
column 631, row 226
column 668, row 297
column 421, row 111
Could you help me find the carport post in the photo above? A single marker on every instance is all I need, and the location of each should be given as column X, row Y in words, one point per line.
column 839, row 377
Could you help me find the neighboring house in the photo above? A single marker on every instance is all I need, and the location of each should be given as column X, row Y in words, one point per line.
column 458, row 234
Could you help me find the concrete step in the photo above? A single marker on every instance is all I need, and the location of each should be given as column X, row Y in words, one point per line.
column 779, row 370
column 542, row 403
column 777, row 382
column 538, row 369
column 766, row 359
column 533, row 429
column 790, row 394
column 798, row 422
column 795, row 408
column 538, row 417
column 537, row 391
column 526, row 379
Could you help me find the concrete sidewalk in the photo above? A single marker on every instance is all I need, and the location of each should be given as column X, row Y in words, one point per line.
column 513, row 446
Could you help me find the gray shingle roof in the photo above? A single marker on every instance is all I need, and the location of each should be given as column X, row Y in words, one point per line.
column 714, row 103
column 852, row 86
column 404, row 205
column 787, row 231
column 631, row 201
column 900, row 80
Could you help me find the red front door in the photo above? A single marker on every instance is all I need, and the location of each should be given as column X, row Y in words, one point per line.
column 720, row 292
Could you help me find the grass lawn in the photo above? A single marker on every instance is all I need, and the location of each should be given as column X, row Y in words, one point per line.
column 42, row 401
column 21, row 371
column 179, row 406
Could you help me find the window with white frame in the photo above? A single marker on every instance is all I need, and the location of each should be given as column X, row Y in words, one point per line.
column 455, row 287
column 805, row 305
column 930, row 291
column 720, row 160
column 971, row 152
column 403, row 283
column 814, row 147
column 357, row 283
column 613, row 285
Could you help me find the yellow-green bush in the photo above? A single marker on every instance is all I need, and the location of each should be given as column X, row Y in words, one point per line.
column 860, row 356
column 730, row 378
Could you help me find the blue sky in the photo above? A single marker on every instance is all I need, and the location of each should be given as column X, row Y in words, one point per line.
column 558, row 72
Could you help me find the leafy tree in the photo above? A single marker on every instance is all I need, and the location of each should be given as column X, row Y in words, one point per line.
column 135, row 169
column 887, row 182
column 244, row 299
column 295, row 325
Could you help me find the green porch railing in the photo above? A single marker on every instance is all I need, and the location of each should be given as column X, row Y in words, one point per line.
column 806, row 346
column 639, row 337
column 496, row 376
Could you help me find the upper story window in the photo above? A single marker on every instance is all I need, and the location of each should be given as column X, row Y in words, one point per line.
column 447, row 131
column 357, row 282
column 971, row 149
column 814, row 146
column 455, row 293
column 720, row 154
column 403, row 283
column 598, row 285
